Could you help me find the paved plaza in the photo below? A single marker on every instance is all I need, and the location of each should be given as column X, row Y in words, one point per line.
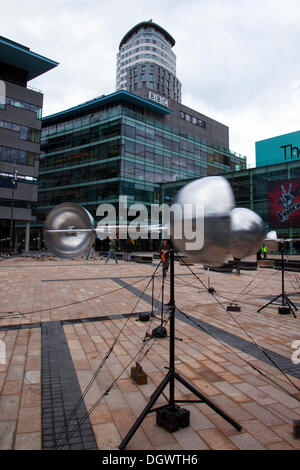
column 71, row 334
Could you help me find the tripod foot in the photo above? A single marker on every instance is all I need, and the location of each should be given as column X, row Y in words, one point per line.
column 172, row 418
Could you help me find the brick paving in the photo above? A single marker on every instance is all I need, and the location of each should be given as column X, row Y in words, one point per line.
column 55, row 340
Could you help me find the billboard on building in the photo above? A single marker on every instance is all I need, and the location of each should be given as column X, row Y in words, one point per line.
column 284, row 203
column 280, row 149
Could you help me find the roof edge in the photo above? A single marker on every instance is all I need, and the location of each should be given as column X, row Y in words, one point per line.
column 117, row 95
column 147, row 23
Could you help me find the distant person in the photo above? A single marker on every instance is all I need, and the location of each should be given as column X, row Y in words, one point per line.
column 264, row 251
column 111, row 252
column 19, row 248
column 258, row 255
column 237, row 266
column 165, row 257
column 128, row 249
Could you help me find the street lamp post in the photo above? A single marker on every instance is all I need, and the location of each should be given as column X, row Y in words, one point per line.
column 14, row 180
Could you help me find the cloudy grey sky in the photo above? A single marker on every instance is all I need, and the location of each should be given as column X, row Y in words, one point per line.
column 238, row 60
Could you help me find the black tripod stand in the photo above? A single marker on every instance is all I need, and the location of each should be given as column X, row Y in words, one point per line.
column 171, row 416
column 287, row 306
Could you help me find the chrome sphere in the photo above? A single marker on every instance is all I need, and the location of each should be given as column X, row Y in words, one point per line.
column 247, row 232
column 68, row 216
column 214, row 197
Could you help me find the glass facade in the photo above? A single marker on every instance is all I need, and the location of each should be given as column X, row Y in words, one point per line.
column 24, row 105
column 25, row 133
column 22, row 157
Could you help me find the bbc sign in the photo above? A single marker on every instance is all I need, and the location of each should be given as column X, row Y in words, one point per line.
column 158, row 99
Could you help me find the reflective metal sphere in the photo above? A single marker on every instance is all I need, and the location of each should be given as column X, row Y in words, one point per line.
column 247, row 232
column 215, row 196
column 67, row 216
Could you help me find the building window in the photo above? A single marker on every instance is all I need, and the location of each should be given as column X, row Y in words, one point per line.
column 151, row 85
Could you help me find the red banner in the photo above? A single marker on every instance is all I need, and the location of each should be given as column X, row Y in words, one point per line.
column 284, row 203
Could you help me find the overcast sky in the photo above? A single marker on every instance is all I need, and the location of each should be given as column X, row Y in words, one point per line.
column 238, row 60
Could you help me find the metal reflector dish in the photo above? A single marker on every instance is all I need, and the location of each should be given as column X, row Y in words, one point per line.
column 271, row 241
column 247, row 232
column 69, row 244
column 215, row 195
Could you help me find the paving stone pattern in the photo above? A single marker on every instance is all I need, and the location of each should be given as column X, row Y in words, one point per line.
column 58, row 319
column 60, row 396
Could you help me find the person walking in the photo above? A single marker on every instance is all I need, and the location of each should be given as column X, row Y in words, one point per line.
column 111, row 252
column 165, row 257
column 128, row 249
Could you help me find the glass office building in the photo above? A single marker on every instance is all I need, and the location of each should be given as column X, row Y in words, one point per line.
column 120, row 144
column 20, row 129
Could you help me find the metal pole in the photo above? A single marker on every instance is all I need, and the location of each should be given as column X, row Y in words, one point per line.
column 172, row 330
column 282, row 274
column 14, row 179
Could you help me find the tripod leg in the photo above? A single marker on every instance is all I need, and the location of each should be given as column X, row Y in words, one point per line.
column 291, row 305
column 208, row 402
column 288, row 300
column 145, row 411
column 271, row 301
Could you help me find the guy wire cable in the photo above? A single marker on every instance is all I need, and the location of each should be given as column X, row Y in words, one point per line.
column 101, row 364
column 109, row 388
column 105, row 393
column 229, row 299
column 232, row 351
column 236, row 354
column 94, row 405
column 149, row 326
column 188, row 283
column 79, row 301
column 254, row 342
column 289, row 278
column 106, row 356
column 243, row 293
